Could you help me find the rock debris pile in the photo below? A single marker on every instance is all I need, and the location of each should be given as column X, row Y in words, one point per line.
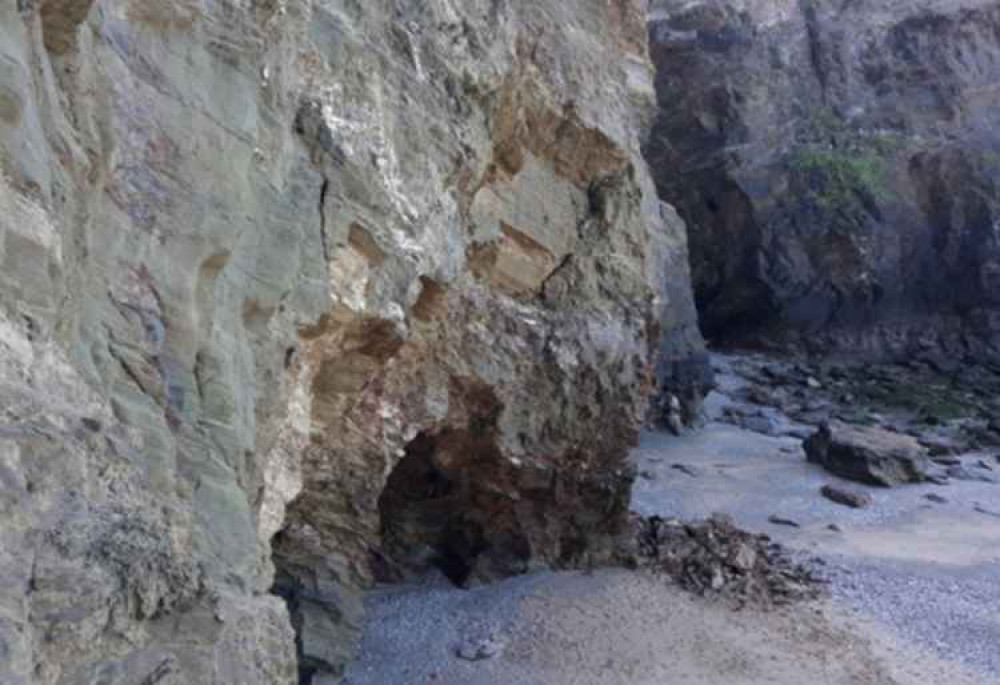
column 715, row 559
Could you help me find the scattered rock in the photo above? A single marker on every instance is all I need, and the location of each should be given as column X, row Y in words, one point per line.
column 781, row 521
column 963, row 473
column 799, row 432
column 813, row 383
column 868, row 455
column 835, row 528
column 983, row 465
column 856, row 500
column 937, row 499
column 946, row 461
column 480, row 649
column 752, row 419
column 714, row 558
column 758, row 395
column 940, row 447
column 685, row 469
column 647, row 475
column 988, row 512
column 673, row 420
column 764, row 425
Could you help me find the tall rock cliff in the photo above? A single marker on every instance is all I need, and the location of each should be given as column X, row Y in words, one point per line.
column 839, row 167
column 297, row 294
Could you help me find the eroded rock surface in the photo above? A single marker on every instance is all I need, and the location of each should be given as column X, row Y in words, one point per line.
column 384, row 279
column 839, row 167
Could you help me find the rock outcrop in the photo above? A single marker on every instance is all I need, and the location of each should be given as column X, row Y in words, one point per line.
column 838, row 165
column 299, row 293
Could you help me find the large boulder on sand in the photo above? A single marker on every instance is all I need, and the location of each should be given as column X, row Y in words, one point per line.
column 866, row 454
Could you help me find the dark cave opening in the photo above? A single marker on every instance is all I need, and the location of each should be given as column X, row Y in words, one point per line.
column 425, row 519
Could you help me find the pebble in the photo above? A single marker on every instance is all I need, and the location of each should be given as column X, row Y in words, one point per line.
column 988, row 512
column 781, row 521
column 685, row 469
column 855, row 500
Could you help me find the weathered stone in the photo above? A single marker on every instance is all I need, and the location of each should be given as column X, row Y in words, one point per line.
column 480, row 649
column 867, row 454
column 988, row 512
column 297, row 292
column 838, row 168
column 849, row 498
column 783, row 521
column 964, row 473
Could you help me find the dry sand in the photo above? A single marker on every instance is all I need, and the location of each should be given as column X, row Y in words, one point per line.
column 915, row 591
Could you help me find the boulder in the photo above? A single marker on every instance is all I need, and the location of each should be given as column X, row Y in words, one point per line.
column 866, row 454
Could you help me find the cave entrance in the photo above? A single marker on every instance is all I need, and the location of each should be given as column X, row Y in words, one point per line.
column 426, row 520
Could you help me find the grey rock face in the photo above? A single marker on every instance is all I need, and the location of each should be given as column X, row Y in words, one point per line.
column 839, row 169
column 866, row 454
column 293, row 286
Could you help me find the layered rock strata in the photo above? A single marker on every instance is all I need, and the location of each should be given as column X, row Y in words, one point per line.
column 297, row 294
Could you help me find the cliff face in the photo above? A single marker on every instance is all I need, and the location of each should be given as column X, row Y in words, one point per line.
column 295, row 294
column 839, row 167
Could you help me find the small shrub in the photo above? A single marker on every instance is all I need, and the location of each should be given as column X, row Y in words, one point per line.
column 836, row 177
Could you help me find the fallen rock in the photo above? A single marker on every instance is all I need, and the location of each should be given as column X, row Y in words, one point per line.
column 988, row 512
column 940, row 447
column 866, row 454
column 782, row 521
column 937, row 499
column 799, row 432
column 480, row 649
column 963, row 473
column 855, row 500
column 714, row 558
column 686, row 469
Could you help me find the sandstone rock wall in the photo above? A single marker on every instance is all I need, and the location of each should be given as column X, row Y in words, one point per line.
column 297, row 293
column 837, row 164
